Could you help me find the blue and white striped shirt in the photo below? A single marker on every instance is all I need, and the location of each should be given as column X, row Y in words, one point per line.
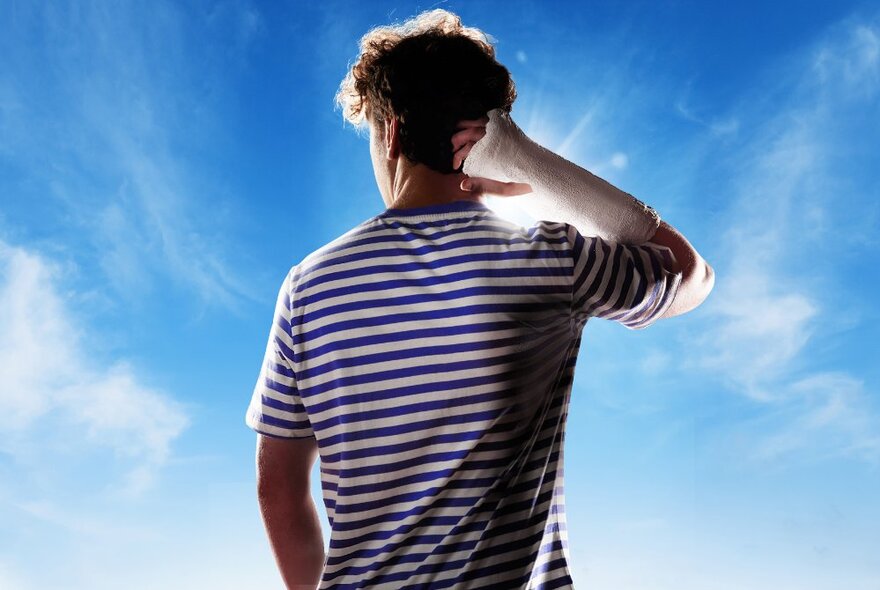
column 431, row 352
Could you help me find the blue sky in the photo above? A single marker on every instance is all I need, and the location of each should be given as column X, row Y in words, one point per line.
column 162, row 165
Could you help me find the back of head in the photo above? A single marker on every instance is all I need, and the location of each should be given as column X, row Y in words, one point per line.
column 428, row 72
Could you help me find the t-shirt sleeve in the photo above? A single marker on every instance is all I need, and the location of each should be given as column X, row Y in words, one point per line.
column 633, row 284
column 276, row 408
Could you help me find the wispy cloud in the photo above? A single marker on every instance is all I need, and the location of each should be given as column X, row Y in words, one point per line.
column 825, row 415
column 83, row 526
column 775, row 291
column 52, row 387
column 117, row 130
column 719, row 127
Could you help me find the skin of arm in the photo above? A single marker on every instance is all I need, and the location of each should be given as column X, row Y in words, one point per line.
column 288, row 510
column 698, row 278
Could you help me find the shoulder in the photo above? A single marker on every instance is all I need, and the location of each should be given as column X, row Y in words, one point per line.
column 331, row 252
column 555, row 234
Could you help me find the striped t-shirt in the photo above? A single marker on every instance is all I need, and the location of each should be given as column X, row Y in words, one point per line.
column 431, row 352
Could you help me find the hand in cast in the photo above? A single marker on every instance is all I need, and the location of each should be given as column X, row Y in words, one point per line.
column 486, row 178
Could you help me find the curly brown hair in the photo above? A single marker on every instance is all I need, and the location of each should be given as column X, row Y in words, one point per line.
column 428, row 72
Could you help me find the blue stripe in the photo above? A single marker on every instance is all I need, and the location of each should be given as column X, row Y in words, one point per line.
column 431, row 521
column 417, row 251
column 491, row 467
column 404, row 410
column 279, row 405
column 422, row 334
column 279, row 368
column 400, row 317
column 412, row 371
column 354, row 454
column 400, row 429
column 414, row 352
column 420, row 539
column 436, row 297
column 304, row 282
column 282, row 423
column 280, row 387
column 520, row 360
column 421, row 282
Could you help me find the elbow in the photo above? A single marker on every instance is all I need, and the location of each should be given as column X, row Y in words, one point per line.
column 700, row 281
column 696, row 284
column 706, row 280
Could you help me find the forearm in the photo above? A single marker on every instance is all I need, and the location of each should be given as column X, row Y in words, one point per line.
column 294, row 531
column 562, row 190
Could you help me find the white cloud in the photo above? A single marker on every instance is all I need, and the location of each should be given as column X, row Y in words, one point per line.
column 826, row 415
column 47, row 375
column 757, row 330
column 619, row 160
column 115, row 132
column 775, row 291
column 854, row 62
column 719, row 127
column 84, row 525
column 656, row 361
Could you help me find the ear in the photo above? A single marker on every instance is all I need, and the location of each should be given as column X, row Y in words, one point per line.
column 392, row 138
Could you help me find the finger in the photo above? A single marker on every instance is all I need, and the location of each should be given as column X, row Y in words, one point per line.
column 459, row 156
column 470, row 134
column 519, row 188
column 464, row 123
column 481, row 186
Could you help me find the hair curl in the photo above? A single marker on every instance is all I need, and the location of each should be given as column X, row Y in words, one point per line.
column 428, row 72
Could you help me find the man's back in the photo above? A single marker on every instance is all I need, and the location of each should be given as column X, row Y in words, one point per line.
column 431, row 352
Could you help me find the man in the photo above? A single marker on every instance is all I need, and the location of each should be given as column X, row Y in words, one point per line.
column 427, row 355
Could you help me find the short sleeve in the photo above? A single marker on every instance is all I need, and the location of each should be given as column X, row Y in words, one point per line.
column 276, row 408
column 633, row 284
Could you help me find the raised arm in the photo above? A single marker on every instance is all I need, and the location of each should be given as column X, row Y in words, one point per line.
column 501, row 159
column 562, row 190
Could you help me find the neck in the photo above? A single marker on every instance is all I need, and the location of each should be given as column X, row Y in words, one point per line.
column 419, row 186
